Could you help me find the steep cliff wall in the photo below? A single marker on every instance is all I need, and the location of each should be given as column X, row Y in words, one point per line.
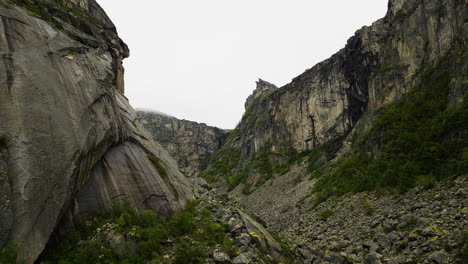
column 71, row 143
column 190, row 143
column 380, row 65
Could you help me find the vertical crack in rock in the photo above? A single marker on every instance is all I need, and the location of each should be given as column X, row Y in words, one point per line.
column 7, row 56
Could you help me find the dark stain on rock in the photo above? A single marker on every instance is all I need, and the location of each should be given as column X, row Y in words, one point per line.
column 7, row 57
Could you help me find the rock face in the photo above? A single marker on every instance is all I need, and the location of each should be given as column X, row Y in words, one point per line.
column 379, row 65
column 292, row 138
column 264, row 89
column 191, row 144
column 73, row 144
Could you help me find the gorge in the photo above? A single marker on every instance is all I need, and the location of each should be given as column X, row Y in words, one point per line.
column 363, row 158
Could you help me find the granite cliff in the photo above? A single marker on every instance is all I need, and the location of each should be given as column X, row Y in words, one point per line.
column 368, row 144
column 360, row 159
column 70, row 142
column 336, row 103
column 191, row 144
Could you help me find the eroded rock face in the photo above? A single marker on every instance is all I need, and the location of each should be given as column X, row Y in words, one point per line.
column 264, row 89
column 379, row 65
column 68, row 124
column 191, row 144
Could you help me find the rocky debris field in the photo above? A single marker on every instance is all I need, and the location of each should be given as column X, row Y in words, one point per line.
column 254, row 244
column 210, row 230
column 428, row 224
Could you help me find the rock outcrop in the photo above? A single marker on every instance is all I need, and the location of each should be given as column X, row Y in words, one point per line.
column 72, row 142
column 294, row 157
column 264, row 89
column 191, row 144
column 379, row 65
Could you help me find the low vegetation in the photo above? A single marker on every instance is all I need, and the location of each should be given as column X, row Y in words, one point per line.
column 62, row 12
column 8, row 254
column 186, row 238
column 222, row 164
column 325, row 214
column 417, row 147
column 464, row 250
column 227, row 160
column 158, row 165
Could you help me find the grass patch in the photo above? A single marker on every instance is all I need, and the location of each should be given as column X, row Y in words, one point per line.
column 224, row 161
column 39, row 11
column 400, row 15
column 384, row 68
column 368, row 210
column 8, row 254
column 464, row 246
column 325, row 214
column 61, row 11
column 157, row 163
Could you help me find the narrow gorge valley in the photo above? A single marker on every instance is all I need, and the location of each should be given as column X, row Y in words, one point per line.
column 363, row 158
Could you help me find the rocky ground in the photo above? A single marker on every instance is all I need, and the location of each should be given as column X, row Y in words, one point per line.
column 213, row 232
column 253, row 242
column 428, row 224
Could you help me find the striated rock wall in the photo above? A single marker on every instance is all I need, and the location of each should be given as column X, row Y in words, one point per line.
column 380, row 64
column 73, row 142
column 191, row 144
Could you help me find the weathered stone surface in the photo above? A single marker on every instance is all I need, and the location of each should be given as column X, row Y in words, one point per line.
column 6, row 214
column 262, row 236
column 429, row 228
column 191, row 144
column 264, row 89
column 379, row 65
column 127, row 173
column 220, row 257
column 68, row 124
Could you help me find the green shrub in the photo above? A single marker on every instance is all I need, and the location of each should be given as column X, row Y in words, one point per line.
column 464, row 249
column 234, row 180
column 368, row 210
column 186, row 236
column 383, row 69
column 182, row 223
column 246, row 189
column 325, row 214
column 222, row 164
column 313, row 157
column 187, row 253
column 157, row 163
column 8, row 254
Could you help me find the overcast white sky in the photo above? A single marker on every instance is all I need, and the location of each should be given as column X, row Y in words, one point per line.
column 199, row 60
